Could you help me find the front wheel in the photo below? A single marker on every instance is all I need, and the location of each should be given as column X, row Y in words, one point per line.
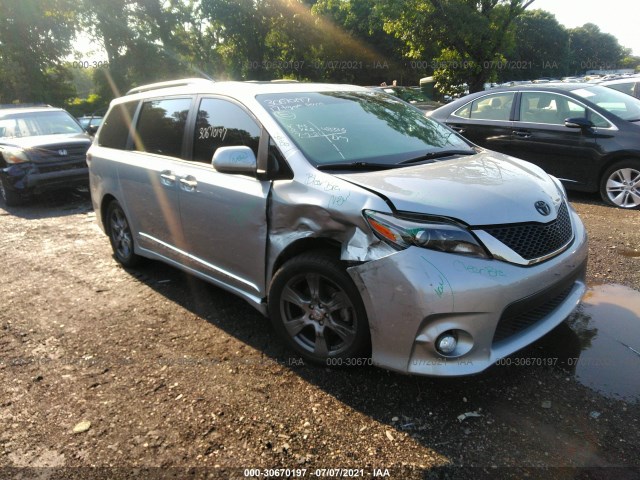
column 317, row 309
column 620, row 185
column 8, row 196
column 120, row 235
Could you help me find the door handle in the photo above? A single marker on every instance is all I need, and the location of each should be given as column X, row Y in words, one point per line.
column 459, row 129
column 189, row 183
column 167, row 178
column 522, row 133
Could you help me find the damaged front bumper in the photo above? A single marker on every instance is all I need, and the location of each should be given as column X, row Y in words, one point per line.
column 495, row 308
column 24, row 178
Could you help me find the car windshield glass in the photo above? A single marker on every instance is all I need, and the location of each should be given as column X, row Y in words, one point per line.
column 37, row 123
column 343, row 127
column 617, row 103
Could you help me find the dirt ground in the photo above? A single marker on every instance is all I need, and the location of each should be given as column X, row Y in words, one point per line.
column 151, row 373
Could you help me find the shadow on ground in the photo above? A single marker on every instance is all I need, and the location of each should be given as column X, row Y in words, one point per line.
column 529, row 410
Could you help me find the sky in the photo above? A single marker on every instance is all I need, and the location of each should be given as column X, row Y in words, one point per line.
column 620, row 18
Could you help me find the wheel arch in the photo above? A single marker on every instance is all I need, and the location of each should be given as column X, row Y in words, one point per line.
column 301, row 246
column 104, row 205
column 616, row 157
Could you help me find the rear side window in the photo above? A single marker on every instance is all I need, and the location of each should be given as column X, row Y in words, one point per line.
column 222, row 124
column 161, row 126
column 115, row 131
column 490, row 107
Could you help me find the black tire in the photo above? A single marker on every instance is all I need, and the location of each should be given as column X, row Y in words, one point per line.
column 120, row 235
column 8, row 196
column 316, row 308
column 620, row 185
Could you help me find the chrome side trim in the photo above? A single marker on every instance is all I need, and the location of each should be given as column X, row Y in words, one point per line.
column 200, row 261
column 254, row 301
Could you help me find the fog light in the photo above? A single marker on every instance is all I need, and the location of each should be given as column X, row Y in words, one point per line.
column 447, row 343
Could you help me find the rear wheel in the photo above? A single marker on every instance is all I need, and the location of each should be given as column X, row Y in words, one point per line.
column 120, row 235
column 317, row 309
column 620, row 185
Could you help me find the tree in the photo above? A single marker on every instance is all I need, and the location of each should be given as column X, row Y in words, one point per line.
column 631, row 62
column 361, row 40
column 35, row 36
column 469, row 36
column 591, row 49
column 241, row 28
column 541, row 48
column 267, row 39
column 142, row 39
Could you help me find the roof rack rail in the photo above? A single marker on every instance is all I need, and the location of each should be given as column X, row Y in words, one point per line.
column 170, row 83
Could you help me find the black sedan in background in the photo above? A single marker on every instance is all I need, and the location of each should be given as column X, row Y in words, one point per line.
column 586, row 135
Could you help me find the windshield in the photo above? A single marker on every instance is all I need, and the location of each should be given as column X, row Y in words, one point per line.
column 334, row 127
column 613, row 101
column 37, row 123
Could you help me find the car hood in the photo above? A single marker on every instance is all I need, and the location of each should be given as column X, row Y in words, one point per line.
column 484, row 189
column 44, row 141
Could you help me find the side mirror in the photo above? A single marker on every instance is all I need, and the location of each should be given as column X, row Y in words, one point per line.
column 240, row 160
column 578, row 122
column 92, row 129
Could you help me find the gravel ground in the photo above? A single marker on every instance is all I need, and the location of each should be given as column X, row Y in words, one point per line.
column 151, row 373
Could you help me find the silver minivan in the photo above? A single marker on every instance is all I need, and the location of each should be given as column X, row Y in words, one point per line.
column 366, row 231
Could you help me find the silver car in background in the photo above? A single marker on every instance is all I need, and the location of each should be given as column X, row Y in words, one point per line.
column 365, row 230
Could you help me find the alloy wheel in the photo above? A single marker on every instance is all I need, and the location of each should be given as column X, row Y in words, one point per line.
column 318, row 315
column 623, row 188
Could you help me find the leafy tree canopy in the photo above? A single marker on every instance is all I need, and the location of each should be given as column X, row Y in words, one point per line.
column 34, row 37
column 541, row 48
column 592, row 49
column 467, row 37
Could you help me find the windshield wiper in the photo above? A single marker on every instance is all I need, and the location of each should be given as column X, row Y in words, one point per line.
column 436, row 155
column 355, row 166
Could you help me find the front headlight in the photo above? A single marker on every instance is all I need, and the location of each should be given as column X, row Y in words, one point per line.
column 13, row 155
column 444, row 237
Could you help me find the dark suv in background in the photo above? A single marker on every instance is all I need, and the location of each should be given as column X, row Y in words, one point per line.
column 41, row 148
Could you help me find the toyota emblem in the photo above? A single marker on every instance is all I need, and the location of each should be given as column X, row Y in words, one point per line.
column 543, row 208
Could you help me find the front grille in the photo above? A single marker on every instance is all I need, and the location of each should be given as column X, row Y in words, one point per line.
column 527, row 312
column 536, row 240
column 59, row 167
column 59, row 153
